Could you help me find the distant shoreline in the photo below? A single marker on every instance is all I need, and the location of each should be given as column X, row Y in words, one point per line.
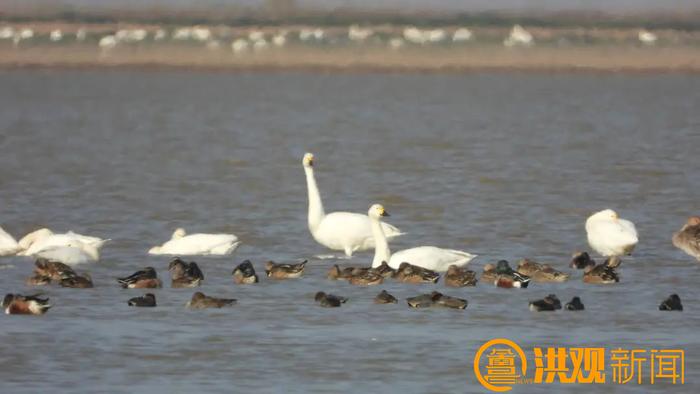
column 568, row 49
column 543, row 60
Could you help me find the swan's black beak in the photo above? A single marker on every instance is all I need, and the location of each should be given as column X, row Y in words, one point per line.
column 385, row 213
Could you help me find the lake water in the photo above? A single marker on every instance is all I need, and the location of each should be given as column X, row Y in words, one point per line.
column 502, row 165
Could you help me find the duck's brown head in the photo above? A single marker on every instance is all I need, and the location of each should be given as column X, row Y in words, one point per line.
column 693, row 221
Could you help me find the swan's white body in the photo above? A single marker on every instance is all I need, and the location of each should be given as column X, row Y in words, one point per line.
column 8, row 244
column 344, row 231
column 72, row 254
column 182, row 244
column 43, row 239
column 430, row 257
column 609, row 235
column 34, row 236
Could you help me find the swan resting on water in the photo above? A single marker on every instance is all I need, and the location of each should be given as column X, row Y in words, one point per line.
column 429, row 257
column 609, row 235
column 182, row 244
column 8, row 244
column 346, row 231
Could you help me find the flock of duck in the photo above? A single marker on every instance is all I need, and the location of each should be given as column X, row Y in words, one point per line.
column 609, row 235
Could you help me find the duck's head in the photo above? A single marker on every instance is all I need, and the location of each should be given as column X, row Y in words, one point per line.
column 308, row 160
column 150, row 297
column 489, row 267
column 452, row 270
column 377, row 211
column 553, row 300
column 319, row 296
column 503, row 266
column 693, row 221
column 8, row 300
column 198, row 296
column 581, row 260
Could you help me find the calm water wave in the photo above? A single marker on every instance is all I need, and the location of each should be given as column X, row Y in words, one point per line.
column 503, row 165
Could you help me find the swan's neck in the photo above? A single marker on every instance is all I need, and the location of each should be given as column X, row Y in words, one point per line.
column 381, row 246
column 316, row 212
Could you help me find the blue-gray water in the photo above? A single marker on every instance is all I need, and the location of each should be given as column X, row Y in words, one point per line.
column 502, row 165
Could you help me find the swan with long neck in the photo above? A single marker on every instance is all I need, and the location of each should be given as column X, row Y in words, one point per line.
column 430, row 257
column 346, row 231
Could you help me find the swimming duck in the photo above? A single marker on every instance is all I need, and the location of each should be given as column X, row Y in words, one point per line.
column 54, row 270
column 385, row 298
column 201, row 301
column 284, row 271
column 541, row 272
column 672, row 303
column 609, row 235
column 77, row 282
column 507, row 277
column 489, row 274
column 147, row 300
column 409, row 273
column 346, row 231
column 581, row 260
column 458, row 277
column 384, row 270
column 687, row 238
column 38, row 280
column 366, row 278
column 144, row 279
column 183, row 274
column 337, row 273
column 436, row 299
column 17, row 304
column 244, row 274
column 421, row 301
column 446, row 301
column 600, row 274
column 549, row 303
column 329, row 300
column 574, row 305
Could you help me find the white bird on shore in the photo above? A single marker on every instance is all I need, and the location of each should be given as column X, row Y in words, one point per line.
column 56, row 35
column 80, row 35
column 239, row 46
column 182, row 244
column 8, row 244
column 429, row 257
column 462, row 34
column 518, row 36
column 609, row 235
column 107, row 43
column 344, row 231
column 646, row 37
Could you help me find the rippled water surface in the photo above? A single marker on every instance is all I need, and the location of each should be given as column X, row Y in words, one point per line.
column 502, row 165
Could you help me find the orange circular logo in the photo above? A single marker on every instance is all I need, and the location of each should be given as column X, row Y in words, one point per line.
column 502, row 366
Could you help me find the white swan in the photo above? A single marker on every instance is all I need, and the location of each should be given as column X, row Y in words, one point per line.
column 29, row 239
column 609, row 235
column 344, row 231
column 73, row 253
column 43, row 239
column 197, row 244
column 8, row 244
column 430, row 257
